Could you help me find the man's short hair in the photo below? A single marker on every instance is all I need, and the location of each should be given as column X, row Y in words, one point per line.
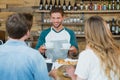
column 17, row 25
column 57, row 9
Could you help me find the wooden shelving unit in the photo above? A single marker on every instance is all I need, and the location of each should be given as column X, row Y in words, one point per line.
column 77, row 12
column 64, row 24
column 82, row 35
column 82, row 11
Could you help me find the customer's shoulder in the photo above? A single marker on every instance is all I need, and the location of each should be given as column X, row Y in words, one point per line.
column 32, row 50
column 87, row 52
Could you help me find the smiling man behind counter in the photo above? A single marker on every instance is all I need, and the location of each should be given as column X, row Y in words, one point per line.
column 58, row 35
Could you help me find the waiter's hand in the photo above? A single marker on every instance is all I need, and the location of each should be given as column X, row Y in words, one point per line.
column 42, row 49
column 72, row 51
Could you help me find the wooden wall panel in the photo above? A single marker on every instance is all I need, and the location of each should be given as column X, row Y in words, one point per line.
column 2, row 5
column 19, row 2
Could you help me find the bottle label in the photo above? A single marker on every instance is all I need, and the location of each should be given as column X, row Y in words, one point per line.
column 113, row 28
column 41, row 7
column 118, row 6
column 69, row 7
column 64, row 7
column 109, row 7
column 50, row 7
column 46, row 7
column 95, row 6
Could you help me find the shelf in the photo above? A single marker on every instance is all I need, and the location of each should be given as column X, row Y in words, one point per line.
column 65, row 24
column 82, row 35
column 83, row 11
column 116, row 36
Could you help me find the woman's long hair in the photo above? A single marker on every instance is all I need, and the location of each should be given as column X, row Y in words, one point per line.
column 100, row 40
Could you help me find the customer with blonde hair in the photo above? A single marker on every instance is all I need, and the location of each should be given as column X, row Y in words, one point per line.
column 101, row 58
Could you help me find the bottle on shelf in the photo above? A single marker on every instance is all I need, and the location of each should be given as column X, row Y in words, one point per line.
column 82, row 18
column 95, row 6
column 100, row 5
column 116, row 29
column 86, row 6
column 113, row 5
column 69, row 6
column 119, row 30
column 104, row 5
column 50, row 5
column 81, row 5
column 75, row 7
column 59, row 4
column 91, row 5
column 113, row 26
column 118, row 5
column 46, row 5
column 55, row 4
column 109, row 5
column 64, row 5
column 41, row 5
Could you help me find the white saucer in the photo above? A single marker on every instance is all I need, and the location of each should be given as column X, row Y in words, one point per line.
column 64, row 48
column 49, row 48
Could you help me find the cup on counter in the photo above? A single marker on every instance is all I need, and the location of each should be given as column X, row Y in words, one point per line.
column 66, row 45
column 49, row 45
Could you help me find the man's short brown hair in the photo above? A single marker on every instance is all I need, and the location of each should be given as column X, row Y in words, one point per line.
column 57, row 9
column 17, row 25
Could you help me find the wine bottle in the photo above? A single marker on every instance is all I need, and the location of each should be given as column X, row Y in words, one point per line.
column 95, row 6
column 104, row 6
column 64, row 5
column 59, row 4
column 69, row 6
column 41, row 5
column 113, row 26
column 46, row 5
column 50, row 5
column 81, row 5
column 116, row 29
column 119, row 29
column 113, row 5
column 75, row 6
column 91, row 5
column 55, row 4
column 109, row 5
column 118, row 5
